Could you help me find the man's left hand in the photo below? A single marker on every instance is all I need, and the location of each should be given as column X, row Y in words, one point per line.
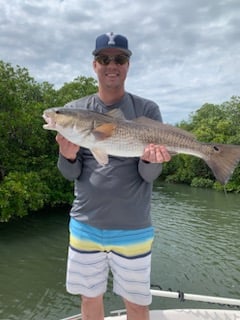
column 156, row 154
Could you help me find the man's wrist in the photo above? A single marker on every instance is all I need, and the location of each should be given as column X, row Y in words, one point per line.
column 72, row 160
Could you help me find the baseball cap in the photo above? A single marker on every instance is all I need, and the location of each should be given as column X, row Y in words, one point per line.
column 111, row 40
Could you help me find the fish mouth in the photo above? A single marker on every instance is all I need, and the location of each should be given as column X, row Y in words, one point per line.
column 50, row 123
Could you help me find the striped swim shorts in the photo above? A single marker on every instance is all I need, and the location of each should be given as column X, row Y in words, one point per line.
column 94, row 252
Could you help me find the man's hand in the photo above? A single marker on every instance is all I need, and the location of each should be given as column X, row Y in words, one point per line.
column 67, row 149
column 156, row 154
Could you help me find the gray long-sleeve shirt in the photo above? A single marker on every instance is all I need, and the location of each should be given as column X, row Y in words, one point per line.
column 117, row 195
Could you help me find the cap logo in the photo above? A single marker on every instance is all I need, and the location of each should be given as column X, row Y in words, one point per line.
column 111, row 37
column 111, row 40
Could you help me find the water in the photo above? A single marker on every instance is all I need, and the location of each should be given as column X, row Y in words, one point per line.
column 196, row 250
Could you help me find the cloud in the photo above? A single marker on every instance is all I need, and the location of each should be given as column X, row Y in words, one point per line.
column 185, row 53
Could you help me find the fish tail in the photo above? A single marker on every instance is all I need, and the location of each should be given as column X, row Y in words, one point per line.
column 223, row 160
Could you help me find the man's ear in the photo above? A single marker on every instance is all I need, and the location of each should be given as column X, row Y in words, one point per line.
column 94, row 65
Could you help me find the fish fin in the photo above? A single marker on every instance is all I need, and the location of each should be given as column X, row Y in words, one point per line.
column 104, row 131
column 147, row 121
column 223, row 161
column 116, row 113
column 100, row 156
column 157, row 124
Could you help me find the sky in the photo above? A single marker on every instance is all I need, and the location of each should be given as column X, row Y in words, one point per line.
column 185, row 52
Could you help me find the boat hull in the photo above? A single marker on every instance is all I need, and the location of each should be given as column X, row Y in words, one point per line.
column 188, row 314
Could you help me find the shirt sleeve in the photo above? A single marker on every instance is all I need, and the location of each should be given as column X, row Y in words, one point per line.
column 149, row 171
column 71, row 170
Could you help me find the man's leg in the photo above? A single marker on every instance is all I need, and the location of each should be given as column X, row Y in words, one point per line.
column 87, row 270
column 92, row 308
column 130, row 262
column 136, row 312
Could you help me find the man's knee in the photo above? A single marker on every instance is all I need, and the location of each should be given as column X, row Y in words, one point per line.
column 136, row 310
column 92, row 300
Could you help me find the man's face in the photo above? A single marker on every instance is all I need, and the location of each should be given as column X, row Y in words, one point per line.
column 113, row 74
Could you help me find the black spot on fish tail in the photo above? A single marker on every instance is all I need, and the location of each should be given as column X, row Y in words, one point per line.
column 223, row 160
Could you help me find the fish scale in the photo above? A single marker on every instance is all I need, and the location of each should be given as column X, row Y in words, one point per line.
column 138, row 139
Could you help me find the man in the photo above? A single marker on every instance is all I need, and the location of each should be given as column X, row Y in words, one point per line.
column 110, row 225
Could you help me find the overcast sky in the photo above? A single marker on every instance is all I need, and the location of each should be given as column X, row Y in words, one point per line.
column 185, row 52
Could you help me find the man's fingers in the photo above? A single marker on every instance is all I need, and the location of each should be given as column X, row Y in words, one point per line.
column 156, row 154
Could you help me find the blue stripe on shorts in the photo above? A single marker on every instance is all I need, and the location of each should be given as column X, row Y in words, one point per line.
column 130, row 243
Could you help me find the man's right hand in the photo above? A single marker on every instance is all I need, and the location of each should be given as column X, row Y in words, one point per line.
column 67, row 149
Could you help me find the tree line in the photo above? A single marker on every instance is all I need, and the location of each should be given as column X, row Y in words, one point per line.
column 29, row 178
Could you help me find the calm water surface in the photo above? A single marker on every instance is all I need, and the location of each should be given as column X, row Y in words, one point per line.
column 196, row 250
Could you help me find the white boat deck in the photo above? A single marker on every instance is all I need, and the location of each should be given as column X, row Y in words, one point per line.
column 179, row 314
column 188, row 314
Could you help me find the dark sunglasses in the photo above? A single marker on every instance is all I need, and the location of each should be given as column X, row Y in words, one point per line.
column 105, row 60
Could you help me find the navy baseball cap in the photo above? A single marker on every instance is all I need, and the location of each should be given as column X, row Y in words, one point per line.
column 111, row 40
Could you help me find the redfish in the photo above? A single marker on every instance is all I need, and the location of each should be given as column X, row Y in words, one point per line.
column 111, row 134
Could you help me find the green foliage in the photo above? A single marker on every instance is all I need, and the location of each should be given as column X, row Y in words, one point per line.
column 29, row 178
column 17, row 88
column 202, row 183
column 21, row 193
column 80, row 87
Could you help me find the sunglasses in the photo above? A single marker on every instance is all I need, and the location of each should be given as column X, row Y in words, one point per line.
column 105, row 60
